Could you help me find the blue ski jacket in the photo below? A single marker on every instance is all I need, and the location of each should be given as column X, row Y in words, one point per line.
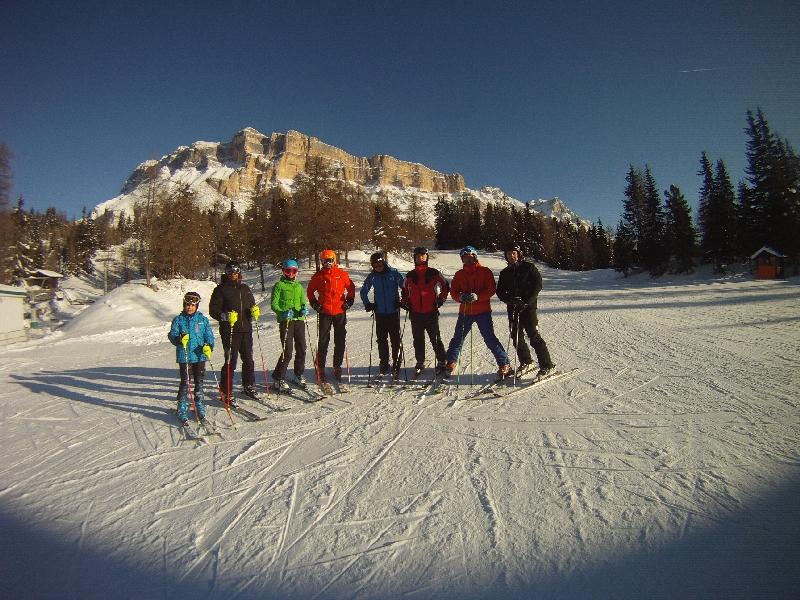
column 200, row 333
column 387, row 286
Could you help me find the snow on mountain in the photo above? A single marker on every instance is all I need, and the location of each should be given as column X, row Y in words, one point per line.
column 233, row 172
column 667, row 466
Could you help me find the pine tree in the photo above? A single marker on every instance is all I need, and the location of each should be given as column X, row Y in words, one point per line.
column 773, row 202
column 624, row 248
column 680, row 235
column 446, row 225
column 257, row 230
column 651, row 233
column 6, row 224
column 705, row 201
column 632, row 216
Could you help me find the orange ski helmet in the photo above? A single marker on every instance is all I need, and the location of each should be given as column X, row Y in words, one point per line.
column 327, row 254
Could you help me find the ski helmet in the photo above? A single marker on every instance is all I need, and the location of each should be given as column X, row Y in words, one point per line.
column 469, row 250
column 377, row 257
column 290, row 263
column 420, row 250
column 191, row 298
column 232, row 267
column 327, row 255
column 513, row 248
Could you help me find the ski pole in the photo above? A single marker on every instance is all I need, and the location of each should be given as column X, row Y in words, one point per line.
column 314, row 350
column 371, row 340
column 347, row 364
column 263, row 362
column 225, row 400
column 403, row 347
column 189, row 390
column 510, row 329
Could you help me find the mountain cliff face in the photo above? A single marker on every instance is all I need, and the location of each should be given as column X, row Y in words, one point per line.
column 252, row 163
column 255, row 161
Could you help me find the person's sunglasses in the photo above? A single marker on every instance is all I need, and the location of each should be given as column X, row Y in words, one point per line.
column 327, row 261
column 232, row 270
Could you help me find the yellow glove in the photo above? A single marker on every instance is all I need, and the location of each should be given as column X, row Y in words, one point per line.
column 185, row 340
column 207, row 351
column 255, row 312
column 233, row 316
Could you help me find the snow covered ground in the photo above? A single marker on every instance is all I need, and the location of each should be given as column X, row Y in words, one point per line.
column 668, row 466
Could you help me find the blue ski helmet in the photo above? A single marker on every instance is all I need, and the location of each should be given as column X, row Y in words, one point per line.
column 468, row 250
column 290, row 263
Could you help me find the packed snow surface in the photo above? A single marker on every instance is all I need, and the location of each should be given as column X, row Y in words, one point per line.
column 666, row 466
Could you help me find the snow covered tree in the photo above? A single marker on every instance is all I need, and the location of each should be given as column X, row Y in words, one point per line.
column 679, row 234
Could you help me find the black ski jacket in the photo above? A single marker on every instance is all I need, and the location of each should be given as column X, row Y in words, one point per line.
column 228, row 296
column 521, row 280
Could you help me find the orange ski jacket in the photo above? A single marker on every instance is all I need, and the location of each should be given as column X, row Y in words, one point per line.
column 474, row 279
column 332, row 288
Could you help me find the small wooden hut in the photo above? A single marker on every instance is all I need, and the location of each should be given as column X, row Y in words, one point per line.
column 769, row 263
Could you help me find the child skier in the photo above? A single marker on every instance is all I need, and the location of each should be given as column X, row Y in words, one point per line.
column 194, row 340
column 291, row 310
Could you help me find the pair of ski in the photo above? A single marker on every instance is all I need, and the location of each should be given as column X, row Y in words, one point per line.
column 200, row 433
column 503, row 388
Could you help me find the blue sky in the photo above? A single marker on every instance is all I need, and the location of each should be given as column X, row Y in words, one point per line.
column 539, row 98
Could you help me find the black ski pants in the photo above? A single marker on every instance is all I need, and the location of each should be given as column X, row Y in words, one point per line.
column 339, row 325
column 240, row 344
column 196, row 372
column 422, row 323
column 523, row 323
column 388, row 327
column 293, row 339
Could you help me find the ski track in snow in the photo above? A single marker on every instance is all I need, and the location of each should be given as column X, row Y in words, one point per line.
column 683, row 413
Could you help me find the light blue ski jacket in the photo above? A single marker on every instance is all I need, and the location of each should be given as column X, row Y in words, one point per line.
column 387, row 286
column 200, row 333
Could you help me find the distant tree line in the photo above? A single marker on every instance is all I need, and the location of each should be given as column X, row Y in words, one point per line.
column 169, row 235
column 559, row 244
column 658, row 236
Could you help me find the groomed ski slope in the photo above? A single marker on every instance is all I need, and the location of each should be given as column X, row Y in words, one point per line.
column 667, row 467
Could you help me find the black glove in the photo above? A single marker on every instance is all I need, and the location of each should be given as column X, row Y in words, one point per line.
column 369, row 306
column 316, row 305
column 439, row 302
column 518, row 304
column 347, row 304
column 404, row 305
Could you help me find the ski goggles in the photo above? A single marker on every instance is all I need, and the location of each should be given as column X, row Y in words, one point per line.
column 290, row 272
column 327, row 261
column 232, row 270
column 191, row 298
column 377, row 261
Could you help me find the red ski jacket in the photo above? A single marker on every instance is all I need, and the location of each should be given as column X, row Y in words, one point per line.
column 474, row 278
column 331, row 288
column 420, row 289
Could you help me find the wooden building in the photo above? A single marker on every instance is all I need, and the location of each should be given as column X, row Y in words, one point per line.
column 769, row 263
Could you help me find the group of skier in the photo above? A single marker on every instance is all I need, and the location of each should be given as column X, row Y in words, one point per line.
column 331, row 293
